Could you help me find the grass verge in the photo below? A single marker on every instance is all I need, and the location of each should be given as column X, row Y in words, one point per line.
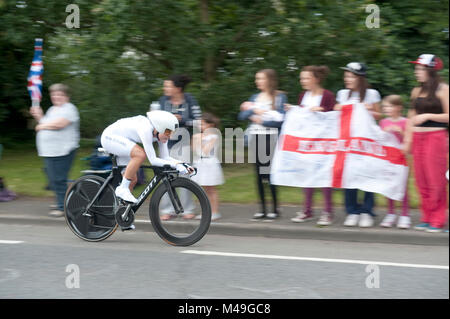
column 23, row 173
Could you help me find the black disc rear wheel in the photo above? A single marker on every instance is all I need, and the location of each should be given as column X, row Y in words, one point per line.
column 98, row 223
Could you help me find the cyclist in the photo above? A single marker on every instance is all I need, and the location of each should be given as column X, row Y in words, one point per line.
column 121, row 138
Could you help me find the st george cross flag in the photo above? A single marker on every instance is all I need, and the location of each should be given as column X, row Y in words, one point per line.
column 35, row 75
column 339, row 149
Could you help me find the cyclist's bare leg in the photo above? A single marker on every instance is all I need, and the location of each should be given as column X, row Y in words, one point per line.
column 138, row 157
column 129, row 179
column 133, row 181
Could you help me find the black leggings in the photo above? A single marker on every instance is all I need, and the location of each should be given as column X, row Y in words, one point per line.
column 263, row 169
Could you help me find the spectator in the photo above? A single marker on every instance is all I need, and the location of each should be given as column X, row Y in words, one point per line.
column 317, row 99
column 392, row 106
column 427, row 134
column 357, row 91
column 185, row 107
column 5, row 194
column 209, row 171
column 57, row 140
column 265, row 110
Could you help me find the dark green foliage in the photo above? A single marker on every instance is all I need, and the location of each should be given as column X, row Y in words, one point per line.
column 116, row 61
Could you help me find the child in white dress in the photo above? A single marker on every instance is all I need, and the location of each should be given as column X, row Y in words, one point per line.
column 209, row 171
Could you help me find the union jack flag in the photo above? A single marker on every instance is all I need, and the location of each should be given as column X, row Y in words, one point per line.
column 36, row 70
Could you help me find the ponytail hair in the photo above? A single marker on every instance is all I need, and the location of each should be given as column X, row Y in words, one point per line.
column 180, row 81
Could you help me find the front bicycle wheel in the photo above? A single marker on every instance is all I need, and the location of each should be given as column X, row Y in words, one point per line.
column 189, row 227
column 97, row 223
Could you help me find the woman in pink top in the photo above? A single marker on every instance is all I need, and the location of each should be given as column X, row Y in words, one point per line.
column 396, row 124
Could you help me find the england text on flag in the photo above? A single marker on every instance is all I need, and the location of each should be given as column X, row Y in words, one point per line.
column 345, row 149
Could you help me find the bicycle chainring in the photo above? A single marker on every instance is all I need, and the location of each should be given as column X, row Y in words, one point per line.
column 129, row 220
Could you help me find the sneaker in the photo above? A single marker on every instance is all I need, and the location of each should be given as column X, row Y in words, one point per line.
column 214, row 216
column 351, row 220
column 131, row 227
column 422, row 226
column 301, row 217
column 259, row 216
column 433, row 230
column 325, row 219
column 404, row 222
column 56, row 213
column 389, row 220
column 125, row 194
column 365, row 221
column 271, row 217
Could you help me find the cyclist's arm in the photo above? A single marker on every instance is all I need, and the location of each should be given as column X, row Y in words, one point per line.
column 147, row 142
column 158, row 161
column 164, row 153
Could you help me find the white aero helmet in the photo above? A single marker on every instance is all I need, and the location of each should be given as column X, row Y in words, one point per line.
column 162, row 121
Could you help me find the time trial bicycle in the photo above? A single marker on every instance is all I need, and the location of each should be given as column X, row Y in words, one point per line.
column 93, row 212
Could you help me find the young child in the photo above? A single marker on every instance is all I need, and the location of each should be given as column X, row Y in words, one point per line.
column 209, row 171
column 392, row 107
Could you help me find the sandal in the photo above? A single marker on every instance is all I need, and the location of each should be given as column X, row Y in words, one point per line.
column 188, row 216
column 166, row 217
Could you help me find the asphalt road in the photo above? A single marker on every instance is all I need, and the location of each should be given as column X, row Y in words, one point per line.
column 50, row 262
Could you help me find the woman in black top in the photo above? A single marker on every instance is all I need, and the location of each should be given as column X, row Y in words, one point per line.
column 427, row 134
column 185, row 107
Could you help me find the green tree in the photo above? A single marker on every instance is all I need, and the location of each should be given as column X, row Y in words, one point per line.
column 116, row 61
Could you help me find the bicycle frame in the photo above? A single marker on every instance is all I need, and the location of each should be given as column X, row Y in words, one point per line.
column 161, row 173
column 166, row 177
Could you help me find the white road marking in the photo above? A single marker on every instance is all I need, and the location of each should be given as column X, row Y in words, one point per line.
column 297, row 291
column 191, row 296
column 328, row 260
column 10, row 242
column 11, row 274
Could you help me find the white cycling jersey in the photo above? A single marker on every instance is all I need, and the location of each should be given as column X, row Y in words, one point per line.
column 120, row 137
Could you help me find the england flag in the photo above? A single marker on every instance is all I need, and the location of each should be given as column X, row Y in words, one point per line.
column 339, row 149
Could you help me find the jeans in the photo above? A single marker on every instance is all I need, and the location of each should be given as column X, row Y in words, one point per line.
column 57, row 169
column 352, row 206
